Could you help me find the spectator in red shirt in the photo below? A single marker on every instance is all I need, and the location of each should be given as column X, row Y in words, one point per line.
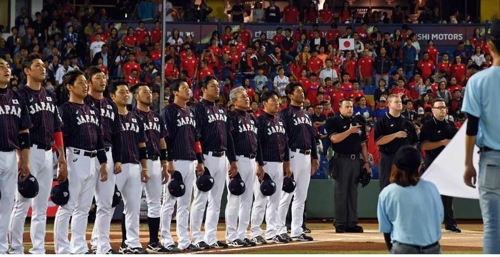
column 227, row 36
column 365, row 65
column 171, row 72
column 245, row 34
column 326, row 14
column 346, row 84
column 155, row 53
column 400, row 89
column 336, row 96
column 133, row 78
column 278, row 37
column 204, row 70
column 250, row 91
column 130, row 40
column 141, row 32
column 433, row 52
column 445, row 63
column 460, row 120
column 426, row 66
column 458, row 69
column 363, row 32
column 290, row 13
column 130, row 65
column 349, row 64
column 297, row 33
column 310, row 14
column 315, row 64
column 156, row 33
column 332, row 34
column 312, row 87
column 190, row 64
column 454, row 85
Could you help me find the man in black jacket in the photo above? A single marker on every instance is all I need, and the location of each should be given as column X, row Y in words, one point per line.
column 382, row 66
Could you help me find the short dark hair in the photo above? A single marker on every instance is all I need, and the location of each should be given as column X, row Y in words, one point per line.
column 91, row 71
column 70, row 77
column 291, row 87
column 437, row 100
column 205, row 80
column 174, row 85
column 268, row 94
column 29, row 60
column 136, row 87
column 113, row 86
column 345, row 100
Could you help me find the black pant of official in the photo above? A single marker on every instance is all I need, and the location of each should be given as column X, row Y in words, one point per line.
column 449, row 217
column 384, row 169
column 345, row 172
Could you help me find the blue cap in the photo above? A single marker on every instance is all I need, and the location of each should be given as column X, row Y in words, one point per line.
column 205, row 182
column 289, row 184
column 176, row 186
column 236, row 185
column 28, row 188
column 60, row 193
column 267, row 186
column 117, row 197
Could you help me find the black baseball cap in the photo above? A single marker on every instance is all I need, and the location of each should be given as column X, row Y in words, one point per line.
column 176, row 186
column 205, row 182
column 407, row 158
column 28, row 188
column 267, row 187
column 117, row 197
column 60, row 193
column 236, row 185
column 289, row 184
column 494, row 29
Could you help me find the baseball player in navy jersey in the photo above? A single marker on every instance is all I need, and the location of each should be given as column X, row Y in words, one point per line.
column 184, row 150
column 217, row 145
column 303, row 161
column 273, row 158
column 157, row 161
column 84, row 148
column 134, row 158
column 44, row 133
column 111, row 129
column 243, row 128
column 14, row 135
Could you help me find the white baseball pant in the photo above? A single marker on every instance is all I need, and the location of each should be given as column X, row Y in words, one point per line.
column 267, row 205
column 129, row 183
column 8, row 187
column 82, row 171
column 187, row 170
column 218, row 167
column 104, row 199
column 301, row 168
column 41, row 166
column 238, row 207
column 154, row 189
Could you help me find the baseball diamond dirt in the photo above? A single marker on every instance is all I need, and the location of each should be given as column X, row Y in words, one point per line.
column 325, row 240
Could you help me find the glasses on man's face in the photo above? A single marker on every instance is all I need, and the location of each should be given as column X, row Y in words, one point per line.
column 440, row 107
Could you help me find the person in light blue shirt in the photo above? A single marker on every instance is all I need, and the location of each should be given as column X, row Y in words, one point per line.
column 481, row 103
column 410, row 210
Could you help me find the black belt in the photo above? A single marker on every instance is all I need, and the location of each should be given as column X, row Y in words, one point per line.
column 249, row 156
column 90, row 154
column 306, row 152
column 215, row 154
column 346, row 155
column 42, row 147
column 486, row 149
column 153, row 157
column 421, row 247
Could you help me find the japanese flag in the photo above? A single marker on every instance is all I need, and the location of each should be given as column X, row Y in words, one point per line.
column 346, row 43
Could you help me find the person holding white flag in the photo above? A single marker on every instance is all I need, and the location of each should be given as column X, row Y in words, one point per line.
column 481, row 105
column 435, row 135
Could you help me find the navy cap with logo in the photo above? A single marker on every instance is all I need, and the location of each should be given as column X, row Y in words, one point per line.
column 176, row 186
column 267, row 186
column 117, row 197
column 205, row 182
column 60, row 193
column 289, row 184
column 28, row 188
column 364, row 178
column 236, row 185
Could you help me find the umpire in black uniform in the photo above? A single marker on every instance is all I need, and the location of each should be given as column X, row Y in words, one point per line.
column 348, row 138
column 392, row 131
column 434, row 136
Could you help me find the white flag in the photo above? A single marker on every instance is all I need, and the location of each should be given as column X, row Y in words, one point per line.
column 346, row 43
column 447, row 170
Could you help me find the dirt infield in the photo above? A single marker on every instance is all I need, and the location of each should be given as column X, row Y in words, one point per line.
column 325, row 240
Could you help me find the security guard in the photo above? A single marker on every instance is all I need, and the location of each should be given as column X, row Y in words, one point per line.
column 392, row 131
column 348, row 140
column 434, row 136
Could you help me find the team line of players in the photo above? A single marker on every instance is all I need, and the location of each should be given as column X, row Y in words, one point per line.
column 101, row 146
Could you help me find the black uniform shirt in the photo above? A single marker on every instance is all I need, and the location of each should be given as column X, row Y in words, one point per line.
column 44, row 115
column 300, row 130
column 132, row 136
column 110, row 119
column 352, row 143
column 272, row 139
column 434, row 131
column 243, row 129
column 81, row 128
column 181, row 132
column 155, row 130
column 389, row 124
column 13, row 118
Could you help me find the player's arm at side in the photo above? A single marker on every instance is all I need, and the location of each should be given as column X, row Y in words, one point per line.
column 24, row 141
column 143, row 152
column 231, row 152
column 117, row 136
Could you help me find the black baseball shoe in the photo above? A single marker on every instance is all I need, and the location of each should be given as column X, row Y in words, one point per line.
column 112, row 251
column 355, row 229
column 340, row 229
column 202, row 245
column 259, row 240
column 192, row 248
column 453, row 229
column 286, row 236
column 249, row 242
column 123, row 248
column 219, row 245
column 237, row 243
column 303, row 238
column 173, row 249
column 156, row 247
column 278, row 239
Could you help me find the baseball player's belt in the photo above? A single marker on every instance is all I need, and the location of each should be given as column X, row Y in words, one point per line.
column 154, row 157
column 215, row 154
column 306, row 152
column 249, row 156
column 41, row 147
column 90, row 154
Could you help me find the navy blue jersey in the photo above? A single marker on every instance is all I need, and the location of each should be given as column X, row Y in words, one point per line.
column 243, row 129
column 81, row 128
column 155, row 129
column 132, row 136
column 272, row 139
column 44, row 115
column 181, row 132
column 110, row 122
column 299, row 129
column 212, row 125
column 14, row 117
